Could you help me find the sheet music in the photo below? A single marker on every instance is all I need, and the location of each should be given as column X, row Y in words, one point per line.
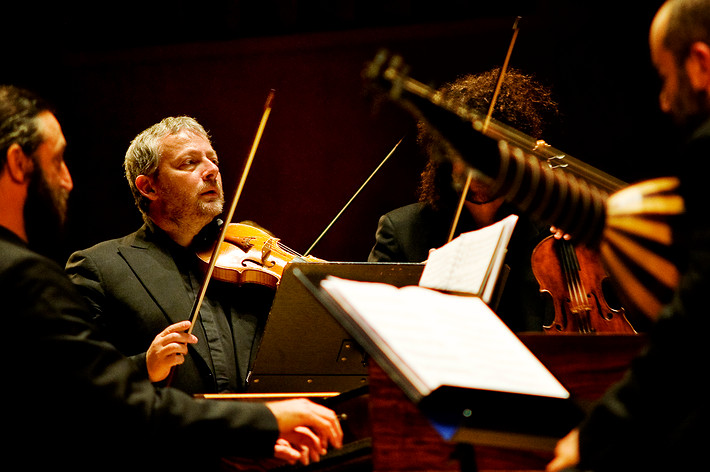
column 467, row 263
column 445, row 339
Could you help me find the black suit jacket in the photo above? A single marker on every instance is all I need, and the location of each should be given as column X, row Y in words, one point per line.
column 75, row 402
column 135, row 291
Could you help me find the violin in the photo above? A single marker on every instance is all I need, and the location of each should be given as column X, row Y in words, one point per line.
column 578, row 296
column 249, row 255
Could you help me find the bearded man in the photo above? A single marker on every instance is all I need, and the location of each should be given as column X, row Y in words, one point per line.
column 656, row 417
column 142, row 287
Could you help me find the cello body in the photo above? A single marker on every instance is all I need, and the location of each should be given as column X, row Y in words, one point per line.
column 573, row 276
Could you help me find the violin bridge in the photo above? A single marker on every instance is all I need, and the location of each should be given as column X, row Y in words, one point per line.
column 266, row 252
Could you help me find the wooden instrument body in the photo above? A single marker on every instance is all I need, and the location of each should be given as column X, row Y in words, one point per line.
column 574, row 277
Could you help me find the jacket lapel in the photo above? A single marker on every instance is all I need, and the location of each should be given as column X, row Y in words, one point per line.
column 159, row 274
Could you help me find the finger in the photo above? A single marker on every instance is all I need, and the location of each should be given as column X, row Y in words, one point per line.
column 284, row 451
column 180, row 338
column 179, row 327
column 306, row 438
column 172, row 350
column 178, row 359
column 330, row 431
column 169, row 362
column 306, row 457
column 338, row 432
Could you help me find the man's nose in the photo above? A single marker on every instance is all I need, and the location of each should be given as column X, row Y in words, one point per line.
column 211, row 170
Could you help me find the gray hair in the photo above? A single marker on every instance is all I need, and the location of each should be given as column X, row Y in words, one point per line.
column 144, row 153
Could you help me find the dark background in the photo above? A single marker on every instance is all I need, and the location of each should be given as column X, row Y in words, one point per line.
column 113, row 69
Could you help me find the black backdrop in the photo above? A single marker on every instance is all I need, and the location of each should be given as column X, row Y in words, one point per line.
column 115, row 70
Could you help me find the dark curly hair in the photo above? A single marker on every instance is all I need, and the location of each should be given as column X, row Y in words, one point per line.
column 522, row 102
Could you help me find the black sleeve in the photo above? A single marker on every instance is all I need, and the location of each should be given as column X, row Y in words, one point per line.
column 83, row 402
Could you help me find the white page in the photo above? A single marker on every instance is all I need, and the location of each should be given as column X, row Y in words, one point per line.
column 467, row 262
column 445, row 339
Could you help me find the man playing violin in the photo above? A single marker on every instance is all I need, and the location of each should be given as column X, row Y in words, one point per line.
column 76, row 402
column 407, row 234
column 142, row 287
column 656, row 417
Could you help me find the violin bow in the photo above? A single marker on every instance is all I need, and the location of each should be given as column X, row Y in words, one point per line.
column 486, row 123
column 352, row 198
column 223, row 231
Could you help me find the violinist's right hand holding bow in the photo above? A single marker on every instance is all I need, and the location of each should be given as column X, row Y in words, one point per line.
column 168, row 349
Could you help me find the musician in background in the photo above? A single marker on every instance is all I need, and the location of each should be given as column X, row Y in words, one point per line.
column 656, row 418
column 75, row 402
column 141, row 288
column 407, row 234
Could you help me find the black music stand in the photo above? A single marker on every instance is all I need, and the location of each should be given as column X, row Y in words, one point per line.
column 304, row 349
column 478, row 415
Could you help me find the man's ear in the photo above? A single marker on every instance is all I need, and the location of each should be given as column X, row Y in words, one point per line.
column 19, row 165
column 146, row 187
column 697, row 66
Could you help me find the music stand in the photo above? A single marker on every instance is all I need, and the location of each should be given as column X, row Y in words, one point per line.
column 303, row 348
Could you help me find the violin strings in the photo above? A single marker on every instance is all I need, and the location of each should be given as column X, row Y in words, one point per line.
column 288, row 249
column 572, row 270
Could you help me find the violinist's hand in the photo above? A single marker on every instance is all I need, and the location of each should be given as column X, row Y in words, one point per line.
column 559, row 234
column 308, row 428
column 566, row 452
column 168, row 349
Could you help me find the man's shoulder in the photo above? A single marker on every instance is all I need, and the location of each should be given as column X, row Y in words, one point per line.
column 408, row 211
column 413, row 214
column 14, row 253
column 111, row 245
column 27, row 276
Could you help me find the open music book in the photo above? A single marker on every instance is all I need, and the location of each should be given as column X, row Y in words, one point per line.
column 455, row 359
column 472, row 262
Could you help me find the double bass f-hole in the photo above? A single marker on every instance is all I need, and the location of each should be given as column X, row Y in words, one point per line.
column 578, row 296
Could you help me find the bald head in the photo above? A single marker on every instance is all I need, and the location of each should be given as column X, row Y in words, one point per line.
column 679, row 41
